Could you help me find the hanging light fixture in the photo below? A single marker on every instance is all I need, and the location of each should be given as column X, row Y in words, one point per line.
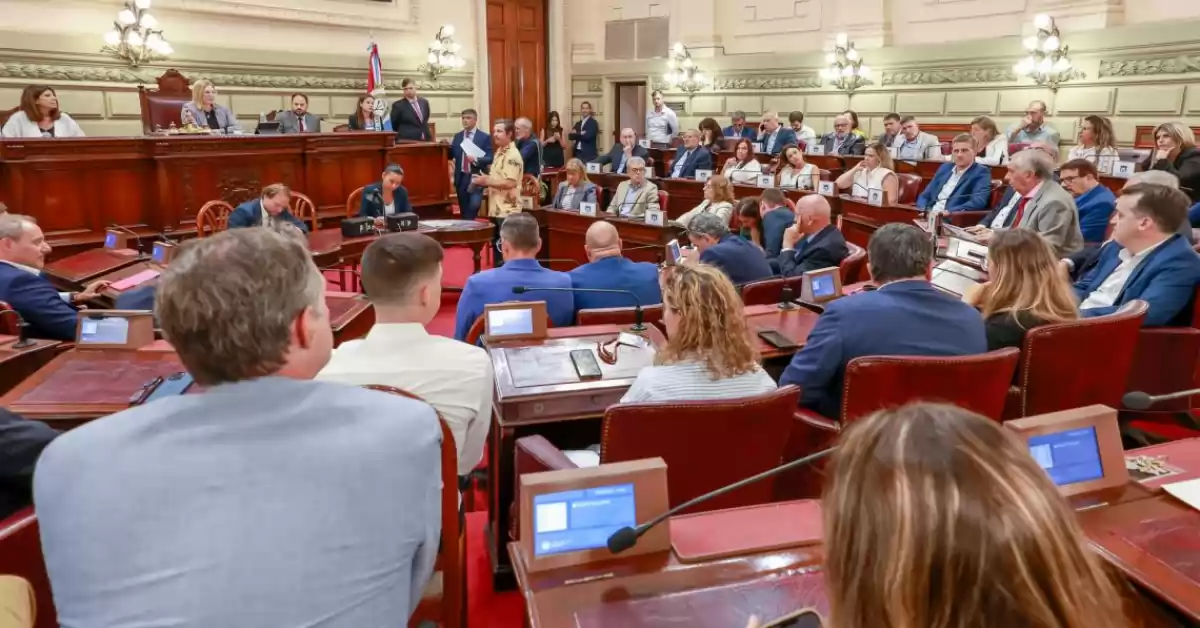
column 846, row 70
column 1047, row 62
column 443, row 54
column 682, row 72
column 136, row 37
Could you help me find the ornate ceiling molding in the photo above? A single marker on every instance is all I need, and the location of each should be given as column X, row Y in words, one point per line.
column 394, row 17
column 942, row 76
column 1180, row 64
column 752, row 83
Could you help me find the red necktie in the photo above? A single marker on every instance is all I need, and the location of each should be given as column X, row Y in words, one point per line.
column 302, row 129
column 1020, row 212
column 466, row 168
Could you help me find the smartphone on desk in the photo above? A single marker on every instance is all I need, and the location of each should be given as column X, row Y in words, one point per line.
column 170, row 386
column 776, row 339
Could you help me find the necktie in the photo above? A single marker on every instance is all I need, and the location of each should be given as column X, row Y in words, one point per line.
column 302, row 129
column 466, row 136
column 1016, row 222
column 417, row 108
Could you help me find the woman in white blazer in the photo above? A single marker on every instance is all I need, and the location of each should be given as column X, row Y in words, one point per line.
column 991, row 146
column 203, row 110
column 743, row 167
column 39, row 116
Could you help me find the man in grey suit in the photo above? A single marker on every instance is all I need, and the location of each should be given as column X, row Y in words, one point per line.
column 266, row 500
column 1044, row 206
column 842, row 141
column 299, row 120
column 913, row 143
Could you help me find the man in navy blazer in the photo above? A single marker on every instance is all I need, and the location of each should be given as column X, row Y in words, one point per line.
column 1147, row 260
column 813, row 242
column 690, row 157
column 607, row 269
column 466, row 166
column 739, row 128
column 740, row 260
column 584, row 134
column 623, row 151
column 905, row 316
column 775, row 136
column 50, row 314
column 961, row 185
column 410, row 115
column 271, row 206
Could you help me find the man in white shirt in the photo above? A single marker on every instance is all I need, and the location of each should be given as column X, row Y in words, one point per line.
column 913, row 144
column 402, row 276
column 804, row 133
column 661, row 122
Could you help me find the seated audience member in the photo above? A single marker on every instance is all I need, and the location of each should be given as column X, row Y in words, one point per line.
column 529, row 147
column 718, row 199
column 773, row 136
column 796, row 174
column 39, row 116
column 1033, row 128
column 961, row 185
column 607, row 269
column 1177, row 154
column 1150, row 261
column 635, row 195
column 385, row 198
column 777, row 217
column 1097, row 144
column 805, row 135
column 520, row 242
column 742, row 167
column 21, row 442
column 402, row 277
column 620, row 154
column 739, row 127
column 271, row 206
column 50, row 314
column 1024, row 289
column 905, row 316
column 690, row 157
column 740, row 260
column 1041, row 205
column 813, row 242
column 855, row 127
column 842, row 141
column 711, row 136
column 991, row 148
column 750, row 221
column 228, row 497
column 873, row 172
column 1095, row 201
column 936, row 516
column 576, row 189
column 891, row 129
column 709, row 354
column 912, row 143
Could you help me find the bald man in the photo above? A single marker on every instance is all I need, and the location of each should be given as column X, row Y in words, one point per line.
column 623, row 151
column 813, row 242
column 607, row 269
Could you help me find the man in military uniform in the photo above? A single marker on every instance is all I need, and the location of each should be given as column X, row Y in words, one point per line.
column 503, row 182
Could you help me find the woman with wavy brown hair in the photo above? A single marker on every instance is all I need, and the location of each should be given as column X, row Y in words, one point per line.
column 708, row 353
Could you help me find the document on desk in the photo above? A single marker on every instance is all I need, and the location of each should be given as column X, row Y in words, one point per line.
column 1187, row 492
column 550, row 365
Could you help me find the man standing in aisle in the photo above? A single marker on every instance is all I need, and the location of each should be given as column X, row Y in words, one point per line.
column 466, row 165
column 661, row 123
column 503, row 182
column 584, row 134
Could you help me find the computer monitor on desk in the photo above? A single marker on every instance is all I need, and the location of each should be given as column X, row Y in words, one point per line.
column 1080, row 449
column 821, row 285
column 524, row 320
column 114, row 329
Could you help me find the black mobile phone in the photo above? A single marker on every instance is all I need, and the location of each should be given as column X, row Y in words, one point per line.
column 777, row 340
column 170, row 386
column 585, row 363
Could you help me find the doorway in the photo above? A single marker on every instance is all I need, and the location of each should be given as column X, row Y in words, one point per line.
column 630, row 107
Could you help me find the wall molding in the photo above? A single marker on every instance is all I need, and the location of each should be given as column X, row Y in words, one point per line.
column 348, row 14
column 942, row 76
column 754, row 83
column 1177, row 64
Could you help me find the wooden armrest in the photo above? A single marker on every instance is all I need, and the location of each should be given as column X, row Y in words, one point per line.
column 813, row 419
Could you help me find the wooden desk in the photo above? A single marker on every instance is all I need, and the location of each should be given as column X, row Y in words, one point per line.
column 330, row 246
column 795, row 324
column 563, row 231
column 350, row 314
column 73, row 272
column 110, row 294
column 1184, row 454
column 18, row 364
column 859, row 219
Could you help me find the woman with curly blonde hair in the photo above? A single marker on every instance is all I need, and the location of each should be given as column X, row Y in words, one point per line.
column 708, row 354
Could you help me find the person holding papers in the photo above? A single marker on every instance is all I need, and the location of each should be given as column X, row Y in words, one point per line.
column 635, row 195
column 576, row 189
column 962, row 185
column 743, row 167
column 874, row 172
column 471, row 151
column 622, row 151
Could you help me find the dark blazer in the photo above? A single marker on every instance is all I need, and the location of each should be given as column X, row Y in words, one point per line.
column 902, row 318
column 372, row 201
column 701, row 159
column 774, row 223
column 1166, row 280
column 854, row 144
column 1084, row 260
column 1186, row 166
column 823, row 249
column 783, row 136
column 21, row 442
column 531, row 155
column 748, row 132
column 583, row 136
column 39, row 303
column 1004, row 331
column 249, row 214
column 406, row 123
column 972, row 193
column 613, row 156
column 615, row 273
column 740, row 260
column 1004, row 201
column 140, row 298
column 481, row 139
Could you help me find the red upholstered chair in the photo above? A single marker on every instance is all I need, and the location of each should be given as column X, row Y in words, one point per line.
column 909, row 188
column 21, row 555
column 663, row 198
column 303, row 208
column 976, row 382
column 353, row 201
column 1077, row 363
column 6, row 114
column 651, row 314
column 1167, row 359
column 851, row 267
column 764, row 292
column 212, row 218
column 10, row 320
column 1015, row 148
column 161, row 107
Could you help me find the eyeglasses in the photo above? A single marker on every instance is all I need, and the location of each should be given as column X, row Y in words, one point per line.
column 637, row 170
column 1068, row 180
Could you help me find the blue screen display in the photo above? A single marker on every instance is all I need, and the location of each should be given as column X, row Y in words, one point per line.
column 822, row 285
column 571, row 521
column 110, row 241
column 159, row 252
column 1069, row 457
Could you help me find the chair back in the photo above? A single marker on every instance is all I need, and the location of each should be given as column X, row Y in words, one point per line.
column 651, row 314
column 851, row 267
column 1078, row 363
column 531, row 187
column 161, row 107
column 212, row 218
column 21, row 555
column 304, row 209
column 10, row 320
column 764, row 292
column 353, row 201
column 910, row 188
column 978, row 383
column 706, row 444
column 450, row 609
column 663, row 198
column 5, row 114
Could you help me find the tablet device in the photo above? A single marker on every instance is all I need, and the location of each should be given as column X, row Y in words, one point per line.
column 1080, row 449
column 821, row 285
column 950, row 231
column 967, row 251
column 514, row 321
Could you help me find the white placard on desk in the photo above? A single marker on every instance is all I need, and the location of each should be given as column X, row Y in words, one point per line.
column 526, row 203
column 816, row 149
column 825, row 188
column 766, row 180
column 1124, row 169
column 1105, row 166
column 703, row 175
column 593, row 167
column 587, row 209
column 758, row 147
column 875, row 197
column 654, row 217
column 644, row 143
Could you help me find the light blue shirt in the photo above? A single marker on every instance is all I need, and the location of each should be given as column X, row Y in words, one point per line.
column 910, row 149
column 678, row 169
column 769, row 144
column 621, row 164
column 630, row 197
column 495, row 286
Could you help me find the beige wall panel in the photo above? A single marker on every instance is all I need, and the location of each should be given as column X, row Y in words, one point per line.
column 783, row 105
column 871, row 103
column 707, row 106
column 113, row 128
column 318, row 104
column 826, row 104
column 596, row 101
column 921, row 103
column 579, row 87
column 972, row 103
column 81, row 103
column 752, row 105
column 456, row 105
column 343, row 106
column 1191, row 101
column 1014, row 101
column 1147, row 99
column 250, row 105
column 1082, row 101
column 124, row 104
column 439, row 105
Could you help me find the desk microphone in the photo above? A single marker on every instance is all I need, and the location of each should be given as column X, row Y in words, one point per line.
column 627, row 537
column 1138, row 400
column 638, row 325
column 23, row 339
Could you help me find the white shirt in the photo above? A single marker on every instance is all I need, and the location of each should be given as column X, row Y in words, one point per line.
column 865, row 180
column 806, row 134
column 996, row 152
column 691, row 381
column 578, row 143
column 453, row 377
column 19, row 125
column 661, row 126
column 801, row 179
column 947, row 190
column 1002, row 215
column 1104, row 159
column 389, row 209
column 746, row 173
column 1111, row 287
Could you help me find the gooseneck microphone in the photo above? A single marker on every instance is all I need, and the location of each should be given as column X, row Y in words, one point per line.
column 1138, row 400
column 638, row 324
column 627, row 537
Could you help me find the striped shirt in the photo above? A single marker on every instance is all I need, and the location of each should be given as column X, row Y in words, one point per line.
column 691, row 381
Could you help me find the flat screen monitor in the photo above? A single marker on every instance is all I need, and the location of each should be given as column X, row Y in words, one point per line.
column 516, row 320
column 1080, row 449
column 112, row 240
column 109, row 330
column 1069, row 456
column 510, row 322
column 821, row 285
column 583, row 519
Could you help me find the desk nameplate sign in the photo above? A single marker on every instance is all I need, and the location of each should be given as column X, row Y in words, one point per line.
column 654, row 217
column 587, row 209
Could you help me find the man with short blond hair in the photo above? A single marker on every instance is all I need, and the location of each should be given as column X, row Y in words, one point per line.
column 270, row 207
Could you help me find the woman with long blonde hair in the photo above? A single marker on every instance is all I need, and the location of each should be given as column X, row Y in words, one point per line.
column 1175, row 152
column 203, row 110
column 1025, row 288
column 709, row 354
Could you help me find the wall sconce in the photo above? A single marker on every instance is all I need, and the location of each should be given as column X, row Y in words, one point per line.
column 443, row 54
column 682, row 73
column 135, row 37
column 1047, row 62
column 846, row 70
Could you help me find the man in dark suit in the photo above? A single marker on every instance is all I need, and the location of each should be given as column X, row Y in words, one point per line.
column 774, row 136
column 299, row 120
column 465, row 166
column 905, row 316
column 739, row 128
column 1147, row 260
column 50, row 314
column 607, row 269
column 623, row 151
column 843, row 141
column 690, row 157
column 740, row 260
column 813, row 242
column 271, row 206
column 777, row 218
column 410, row 115
column 529, row 147
column 584, row 134
column 21, row 442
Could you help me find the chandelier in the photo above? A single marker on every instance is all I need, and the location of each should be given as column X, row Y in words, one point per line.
column 682, row 73
column 443, row 54
column 135, row 37
column 846, row 70
column 1047, row 62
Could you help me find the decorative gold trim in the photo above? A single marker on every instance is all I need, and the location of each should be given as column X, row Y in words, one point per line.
column 755, row 83
column 942, row 76
column 1180, row 64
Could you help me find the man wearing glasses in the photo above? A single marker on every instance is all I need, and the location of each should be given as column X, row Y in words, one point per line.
column 1034, row 127
column 634, row 195
column 842, row 141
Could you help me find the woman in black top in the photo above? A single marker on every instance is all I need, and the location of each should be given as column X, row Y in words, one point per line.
column 711, row 136
column 552, row 149
column 1025, row 288
column 750, row 220
column 1177, row 154
column 363, row 118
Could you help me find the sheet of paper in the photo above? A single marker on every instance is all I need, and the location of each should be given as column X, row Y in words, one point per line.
column 471, row 149
column 1188, row 492
column 134, row 280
